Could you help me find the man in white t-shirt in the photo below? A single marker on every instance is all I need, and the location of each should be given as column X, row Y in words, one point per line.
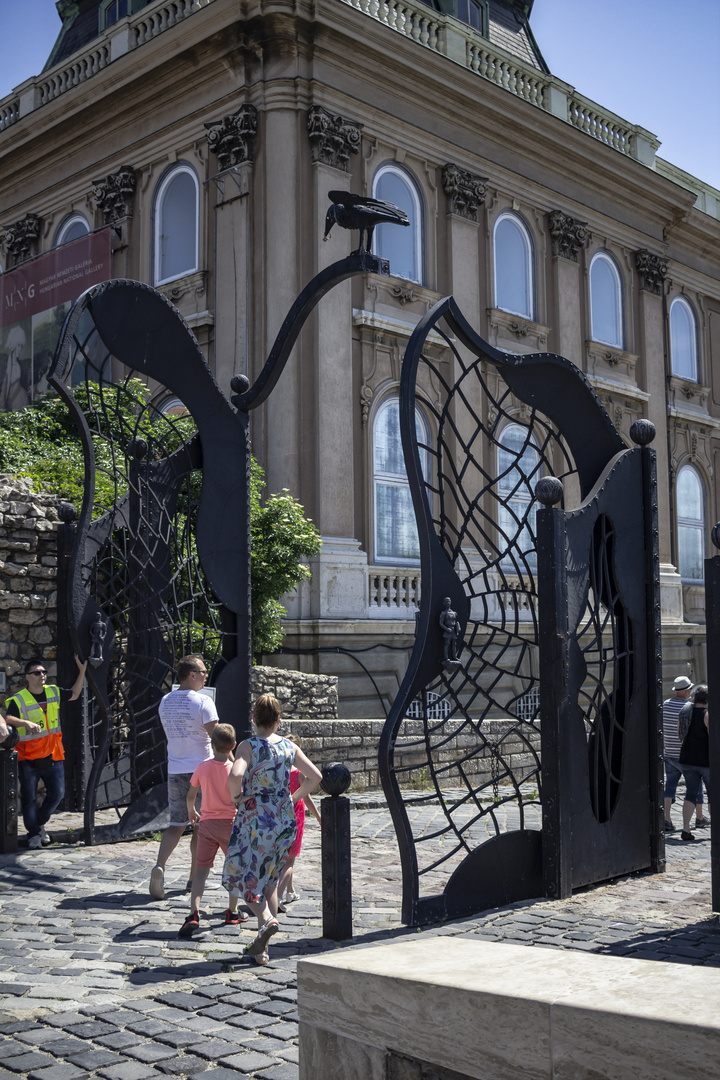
column 188, row 718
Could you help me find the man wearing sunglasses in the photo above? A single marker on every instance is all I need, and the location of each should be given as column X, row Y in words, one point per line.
column 35, row 712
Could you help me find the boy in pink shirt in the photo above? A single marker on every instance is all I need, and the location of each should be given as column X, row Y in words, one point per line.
column 217, row 814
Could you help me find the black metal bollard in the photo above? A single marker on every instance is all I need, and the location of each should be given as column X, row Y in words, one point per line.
column 336, row 863
column 8, row 802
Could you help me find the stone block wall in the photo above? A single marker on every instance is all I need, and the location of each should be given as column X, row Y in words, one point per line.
column 355, row 743
column 28, row 572
column 302, row 696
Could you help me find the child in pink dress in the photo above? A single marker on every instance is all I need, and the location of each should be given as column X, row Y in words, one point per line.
column 286, row 895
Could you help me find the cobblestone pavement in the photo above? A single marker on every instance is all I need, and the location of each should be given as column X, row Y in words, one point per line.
column 96, row 983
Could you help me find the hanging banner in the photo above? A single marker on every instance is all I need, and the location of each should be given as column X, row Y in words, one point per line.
column 34, row 300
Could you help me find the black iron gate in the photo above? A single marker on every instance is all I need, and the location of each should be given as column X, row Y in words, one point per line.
column 501, row 424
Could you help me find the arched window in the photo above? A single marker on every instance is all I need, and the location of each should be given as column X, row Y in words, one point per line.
column 513, row 262
column 400, row 245
column 683, row 339
column 72, row 228
column 606, row 314
column 396, row 538
column 176, row 224
column 519, row 469
column 690, row 524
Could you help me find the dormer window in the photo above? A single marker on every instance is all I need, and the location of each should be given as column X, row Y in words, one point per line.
column 115, row 10
column 474, row 14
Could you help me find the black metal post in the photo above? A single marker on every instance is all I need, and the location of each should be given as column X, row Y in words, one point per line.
column 553, row 645
column 336, row 859
column 73, row 712
column 8, row 802
column 712, row 629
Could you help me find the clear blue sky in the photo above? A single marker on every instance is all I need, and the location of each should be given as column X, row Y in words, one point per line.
column 653, row 62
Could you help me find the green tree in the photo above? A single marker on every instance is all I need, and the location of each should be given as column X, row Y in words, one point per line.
column 42, row 442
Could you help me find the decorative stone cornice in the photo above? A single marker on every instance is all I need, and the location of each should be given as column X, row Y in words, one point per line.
column 652, row 270
column 465, row 191
column 332, row 138
column 567, row 235
column 114, row 196
column 232, row 138
column 20, row 240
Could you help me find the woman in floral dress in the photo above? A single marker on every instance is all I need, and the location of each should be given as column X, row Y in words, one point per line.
column 264, row 827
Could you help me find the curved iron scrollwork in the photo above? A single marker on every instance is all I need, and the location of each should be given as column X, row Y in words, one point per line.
column 500, row 423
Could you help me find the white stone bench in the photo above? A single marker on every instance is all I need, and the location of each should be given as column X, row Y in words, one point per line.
column 458, row 1007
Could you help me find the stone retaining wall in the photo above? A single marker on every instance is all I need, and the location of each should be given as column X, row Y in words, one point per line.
column 355, row 743
column 28, row 572
column 313, row 697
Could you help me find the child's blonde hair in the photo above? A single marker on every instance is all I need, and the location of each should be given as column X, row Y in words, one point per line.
column 294, row 739
column 223, row 738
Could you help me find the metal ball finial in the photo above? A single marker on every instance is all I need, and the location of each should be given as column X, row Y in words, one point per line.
column 239, row 384
column 137, row 448
column 642, row 432
column 67, row 512
column 335, row 779
column 549, row 490
column 715, row 535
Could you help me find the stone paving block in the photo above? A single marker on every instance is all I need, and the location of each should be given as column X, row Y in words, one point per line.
column 150, row 1026
column 244, row 999
column 118, row 1040
column 129, row 1070
column 15, row 1026
column 94, row 1059
column 182, row 1000
column 248, row 1063
column 23, row 1063
column 202, row 1025
column 66, row 1019
column 220, row 1012
column 150, row 1052
column 284, row 1031
column 40, row 1036
column 5, row 1075
column 286, row 1071
column 250, row 1020
column 90, row 1029
column 9, row 1048
column 185, row 1065
column 16, row 989
column 177, row 1037
column 58, row 1072
column 173, row 1015
column 262, row 1045
column 212, row 1049
column 219, row 1074
column 66, row 1045
column 290, row 1054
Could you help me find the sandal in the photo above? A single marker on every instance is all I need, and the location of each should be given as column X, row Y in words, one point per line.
column 266, row 931
column 262, row 958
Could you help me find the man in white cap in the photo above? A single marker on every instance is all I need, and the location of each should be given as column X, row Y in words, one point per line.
column 673, row 769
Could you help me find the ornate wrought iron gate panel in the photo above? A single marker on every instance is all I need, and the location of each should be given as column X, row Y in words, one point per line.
column 500, row 423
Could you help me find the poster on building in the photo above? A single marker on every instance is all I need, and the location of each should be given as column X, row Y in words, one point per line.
column 35, row 297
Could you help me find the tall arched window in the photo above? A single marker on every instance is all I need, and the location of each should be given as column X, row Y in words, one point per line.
column 400, row 245
column 519, row 469
column 606, row 309
column 176, row 224
column 396, row 538
column 72, row 228
column 690, row 524
column 514, row 266
column 683, row 339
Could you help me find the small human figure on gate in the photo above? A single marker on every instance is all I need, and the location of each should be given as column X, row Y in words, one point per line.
column 450, row 626
column 216, row 822
column 286, row 890
column 694, row 731
column 265, row 824
column 35, row 712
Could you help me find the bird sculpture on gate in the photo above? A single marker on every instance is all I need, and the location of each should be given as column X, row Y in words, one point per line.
column 358, row 212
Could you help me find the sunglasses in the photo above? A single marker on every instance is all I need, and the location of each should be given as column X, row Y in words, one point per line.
column 38, row 671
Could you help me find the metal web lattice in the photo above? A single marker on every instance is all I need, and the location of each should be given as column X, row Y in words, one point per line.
column 487, row 452
column 139, row 563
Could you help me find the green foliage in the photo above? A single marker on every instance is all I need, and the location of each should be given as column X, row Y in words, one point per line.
column 42, row 442
column 281, row 537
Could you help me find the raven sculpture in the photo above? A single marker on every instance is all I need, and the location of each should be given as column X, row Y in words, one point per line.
column 356, row 212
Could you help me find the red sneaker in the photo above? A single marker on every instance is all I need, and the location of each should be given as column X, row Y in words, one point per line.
column 232, row 918
column 190, row 925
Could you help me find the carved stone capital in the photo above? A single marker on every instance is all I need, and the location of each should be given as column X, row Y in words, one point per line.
column 332, row 138
column 567, row 234
column 20, row 240
column 232, row 138
column 465, row 191
column 652, row 270
column 114, row 196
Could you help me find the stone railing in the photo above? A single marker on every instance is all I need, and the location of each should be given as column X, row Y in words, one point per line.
column 393, row 591
column 129, row 33
column 460, row 43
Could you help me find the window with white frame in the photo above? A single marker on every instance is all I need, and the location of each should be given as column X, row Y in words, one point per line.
column 72, row 228
column 683, row 339
column 176, row 224
column 400, row 245
column 396, row 537
column 690, row 524
column 606, row 308
column 513, row 266
column 519, row 469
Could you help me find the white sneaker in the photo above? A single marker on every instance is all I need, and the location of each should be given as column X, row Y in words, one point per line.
column 157, row 883
column 45, row 839
column 35, row 842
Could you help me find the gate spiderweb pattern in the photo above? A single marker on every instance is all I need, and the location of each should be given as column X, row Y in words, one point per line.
column 487, row 451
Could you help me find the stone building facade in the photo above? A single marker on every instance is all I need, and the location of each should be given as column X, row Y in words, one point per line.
column 207, row 135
